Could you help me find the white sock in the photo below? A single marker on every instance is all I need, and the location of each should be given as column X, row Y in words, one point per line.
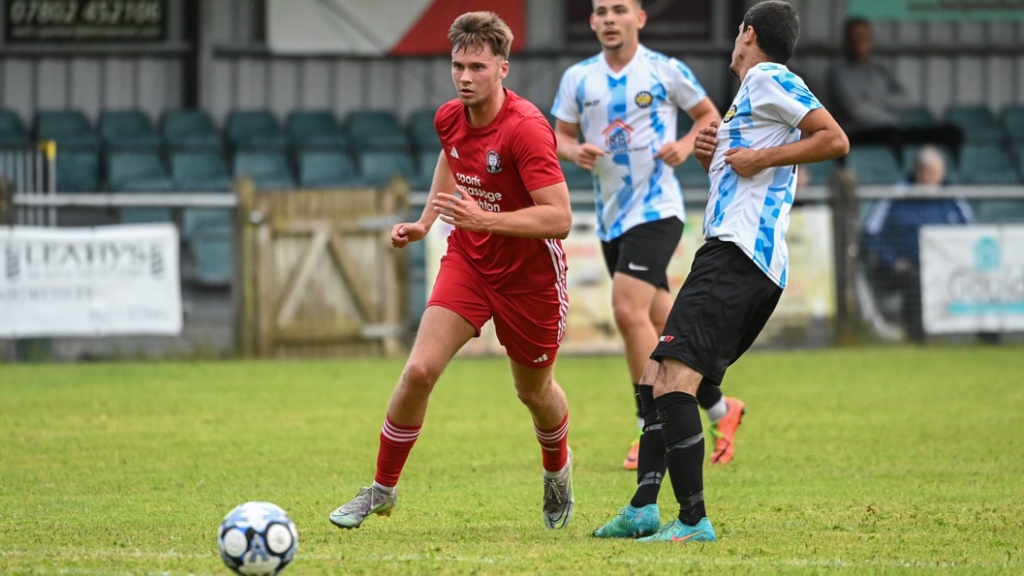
column 718, row 411
column 384, row 489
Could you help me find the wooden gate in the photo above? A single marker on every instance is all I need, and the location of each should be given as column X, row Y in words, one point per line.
column 318, row 274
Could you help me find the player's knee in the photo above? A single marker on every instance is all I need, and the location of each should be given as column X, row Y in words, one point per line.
column 532, row 395
column 421, row 375
column 628, row 315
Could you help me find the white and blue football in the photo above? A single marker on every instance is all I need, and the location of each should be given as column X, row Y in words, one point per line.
column 257, row 539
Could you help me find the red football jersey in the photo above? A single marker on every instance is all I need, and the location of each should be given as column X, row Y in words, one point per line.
column 498, row 165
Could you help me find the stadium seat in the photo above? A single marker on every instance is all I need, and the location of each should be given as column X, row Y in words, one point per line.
column 986, row 164
column 78, row 170
column 326, row 169
column 12, row 130
column 977, row 123
column 199, row 171
column 422, row 132
column 819, row 172
column 910, row 152
column 316, row 129
column 139, row 172
column 691, row 175
column 267, row 169
column 874, row 165
column 211, row 248
column 916, row 117
column 69, row 128
column 576, row 178
column 1000, row 211
column 378, row 167
column 376, row 130
column 1012, row 121
column 127, row 129
column 189, row 129
column 254, row 130
column 426, row 162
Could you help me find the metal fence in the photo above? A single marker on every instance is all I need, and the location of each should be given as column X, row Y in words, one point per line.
column 30, row 171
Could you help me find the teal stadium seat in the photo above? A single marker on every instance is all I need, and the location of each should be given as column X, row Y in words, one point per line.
column 691, row 175
column 127, row 130
column 199, row 171
column 376, row 130
column 254, row 130
column 986, row 164
column 378, row 167
column 69, row 128
column 268, row 169
column 977, row 123
column 576, row 178
column 316, row 129
column 910, row 152
column 422, row 133
column 189, row 129
column 819, row 172
column 78, row 170
column 874, row 165
column 426, row 162
column 916, row 117
column 1012, row 121
column 326, row 169
column 211, row 248
column 139, row 172
column 12, row 130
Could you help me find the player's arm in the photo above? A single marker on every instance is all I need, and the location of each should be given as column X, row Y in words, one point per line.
column 549, row 217
column 402, row 234
column 821, row 139
column 703, row 115
column 569, row 147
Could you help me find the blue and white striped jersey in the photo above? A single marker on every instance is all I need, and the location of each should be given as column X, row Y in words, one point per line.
column 754, row 212
column 630, row 114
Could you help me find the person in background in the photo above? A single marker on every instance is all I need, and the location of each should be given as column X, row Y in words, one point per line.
column 869, row 102
column 890, row 236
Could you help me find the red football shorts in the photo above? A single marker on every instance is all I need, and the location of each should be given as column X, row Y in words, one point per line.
column 529, row 323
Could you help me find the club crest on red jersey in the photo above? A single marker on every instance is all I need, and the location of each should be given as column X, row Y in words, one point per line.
column 493, row 162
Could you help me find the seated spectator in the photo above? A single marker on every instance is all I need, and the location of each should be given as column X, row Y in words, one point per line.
column 869, row 102
column 890, row 236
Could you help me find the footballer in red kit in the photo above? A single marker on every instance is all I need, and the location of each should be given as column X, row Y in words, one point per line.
column 497, row 165
column 499, row 184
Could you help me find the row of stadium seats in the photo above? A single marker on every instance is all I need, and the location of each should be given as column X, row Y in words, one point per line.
column 85, row 170
column 976, row 164
column 192, row 129
column 979, row 124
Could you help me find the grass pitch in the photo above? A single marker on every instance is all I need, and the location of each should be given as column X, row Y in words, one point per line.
column 868, row 461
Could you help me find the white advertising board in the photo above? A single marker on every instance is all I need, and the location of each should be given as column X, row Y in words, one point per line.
column 89, row 281
column 590, row 326
column 972, row 278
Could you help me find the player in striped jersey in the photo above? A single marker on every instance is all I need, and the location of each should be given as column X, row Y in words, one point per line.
column 774, row 124
column 625, row 102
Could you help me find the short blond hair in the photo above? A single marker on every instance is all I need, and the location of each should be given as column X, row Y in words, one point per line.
column 479, row 29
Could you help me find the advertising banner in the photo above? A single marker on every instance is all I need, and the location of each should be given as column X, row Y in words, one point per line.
column 381, row 27
column 807, row 304
column 937, row 10
column 972, row 279
column 89, row 281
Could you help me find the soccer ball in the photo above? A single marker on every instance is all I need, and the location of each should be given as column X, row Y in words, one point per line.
column 257, row 539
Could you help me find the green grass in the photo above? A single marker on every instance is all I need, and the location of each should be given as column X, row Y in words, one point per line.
column 870, row 461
